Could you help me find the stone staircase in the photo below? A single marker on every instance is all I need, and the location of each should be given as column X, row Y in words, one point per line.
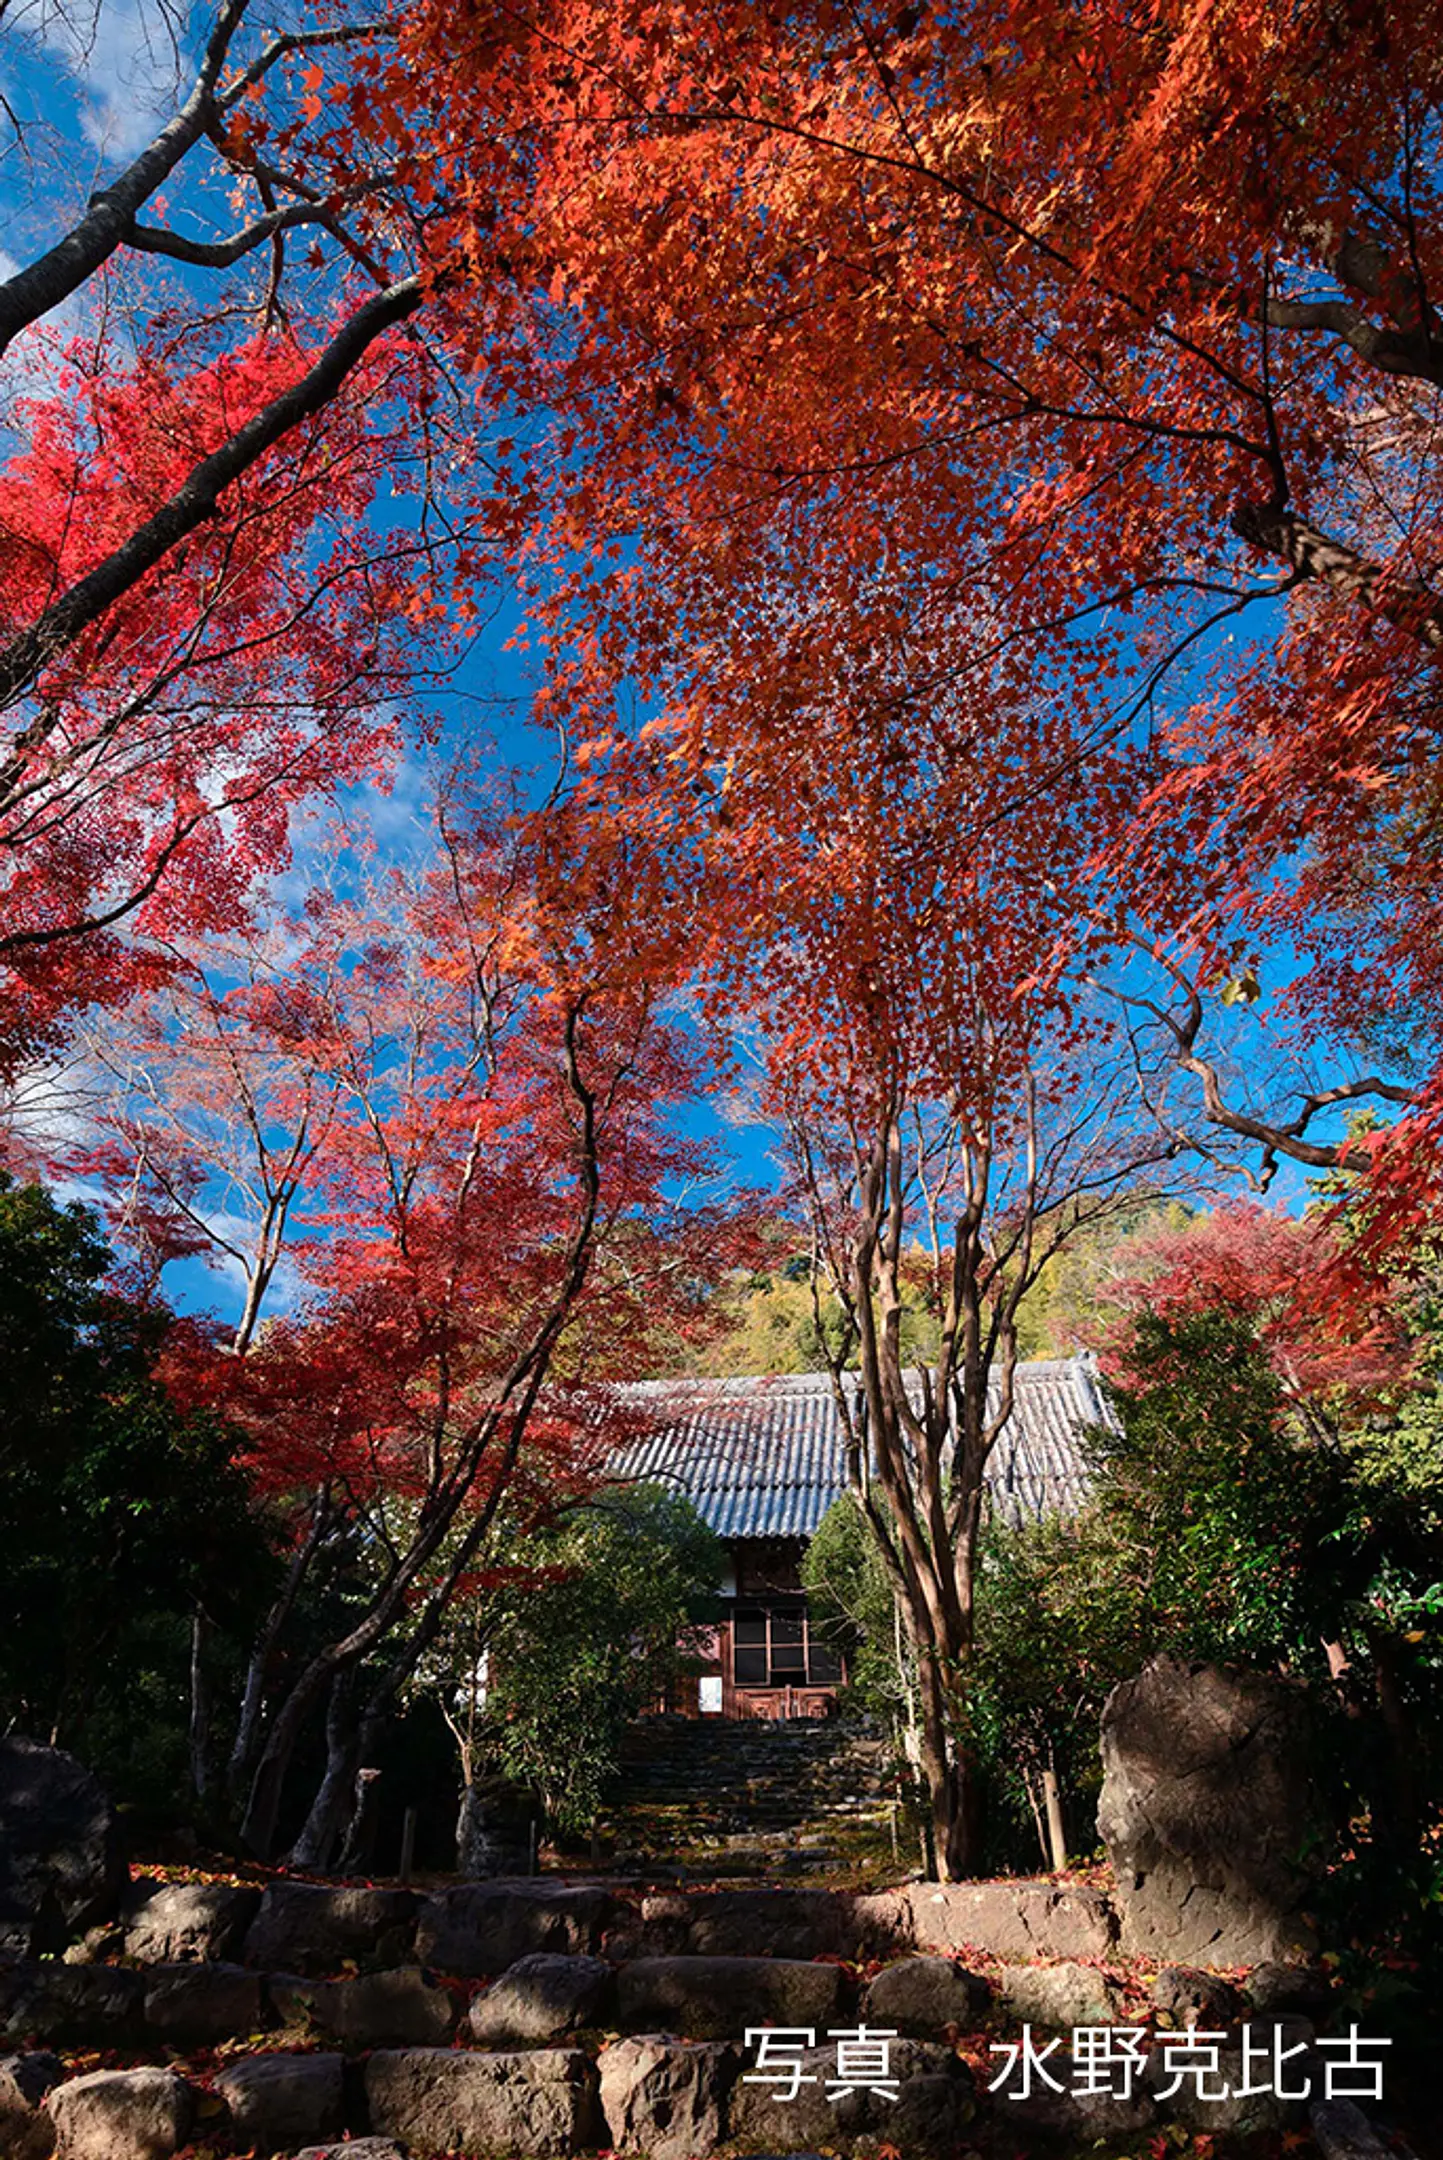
column 749, row 1796
column 561, row 2020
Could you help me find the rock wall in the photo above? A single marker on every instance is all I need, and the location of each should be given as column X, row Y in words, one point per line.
column 572, row 2018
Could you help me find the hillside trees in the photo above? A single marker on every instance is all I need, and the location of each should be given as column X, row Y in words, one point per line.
column 125, row 1523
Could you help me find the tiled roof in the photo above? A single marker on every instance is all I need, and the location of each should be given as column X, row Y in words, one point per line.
column 763, row 1457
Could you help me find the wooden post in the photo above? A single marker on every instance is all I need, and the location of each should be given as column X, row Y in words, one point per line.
column 531, row 1848
column 408, row 1843
column 1056, row 1835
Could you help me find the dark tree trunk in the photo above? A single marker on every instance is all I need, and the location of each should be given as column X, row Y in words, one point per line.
column 323, row 1825
column 200, row 1706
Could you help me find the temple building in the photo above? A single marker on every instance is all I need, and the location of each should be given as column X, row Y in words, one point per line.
column 761, row 1461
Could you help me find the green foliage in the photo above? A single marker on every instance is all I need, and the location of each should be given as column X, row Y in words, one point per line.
column 1058, row 1625
column 850, row 1598
column 1221, row 1525
column 1062, row 1308
column 770, row 1318
column 120, row 1516
column 577, row 1658
column 1236, row 1518
column 771, row 1325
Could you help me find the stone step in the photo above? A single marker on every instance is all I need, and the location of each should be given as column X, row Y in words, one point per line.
column 525, row 2066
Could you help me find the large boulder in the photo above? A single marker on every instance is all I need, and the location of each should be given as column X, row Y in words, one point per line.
column 187, row 1923
column 83, row 2005
column 280, row 2102
column 361, row 2148
column 542, row 1997
column 923, row 1996
column 1307, row 1989
column 401, row 2008
column 881, row 1923
column 1238, row 2092
column 1028, row 1918
column 666, row 2097
column 1057, row 1997
column 760, row 1923
column 1057, row 2105
column 928, row 2116
column 27, row 2130
column 481, row 1928
column 121, row 2115
column 495, row 1829
column 316, row 1927
column 716, row 1998
column 198, row 2005
column 1209, row 1799
column 1186, row 1995
column 62, row 1863
column 541, row 2103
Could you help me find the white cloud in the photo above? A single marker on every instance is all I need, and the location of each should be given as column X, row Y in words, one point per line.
column 125, row 58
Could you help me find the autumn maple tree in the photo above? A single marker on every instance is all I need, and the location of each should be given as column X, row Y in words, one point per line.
column 971, row 479
column 222, row 448
column 1119, row 327
column 428, row 1120
column 954, row 1098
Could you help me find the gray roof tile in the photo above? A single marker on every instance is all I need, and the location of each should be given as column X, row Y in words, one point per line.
column 763, row 1457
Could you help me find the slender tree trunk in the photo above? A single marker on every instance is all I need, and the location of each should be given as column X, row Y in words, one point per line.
column 323, row 1825
column 950, row 1773
column 258, row 1829
column 200, row 1706
column 358, row 1845
column 241, row 1766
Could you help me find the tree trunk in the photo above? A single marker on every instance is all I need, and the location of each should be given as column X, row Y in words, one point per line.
column 358, row 1847
column 241, row 1766
column 953, row 1792
column 200, row 1633
column 324, row 1823
column 258, row 1829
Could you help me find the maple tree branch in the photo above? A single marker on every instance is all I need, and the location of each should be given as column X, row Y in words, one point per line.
column 1414, row 346
column 1316, row 555
column 109, row 219
column 44, row 284
column 220, row 254
column 295, row 41
column 193, row 504
column 1390, row 351
column 1275, row 1137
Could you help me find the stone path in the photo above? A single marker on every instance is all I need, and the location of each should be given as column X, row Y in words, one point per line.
column 752, row 1797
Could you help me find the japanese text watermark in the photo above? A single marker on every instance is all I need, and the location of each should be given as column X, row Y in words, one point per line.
column 1260, row 2061
column 1103, row 2059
